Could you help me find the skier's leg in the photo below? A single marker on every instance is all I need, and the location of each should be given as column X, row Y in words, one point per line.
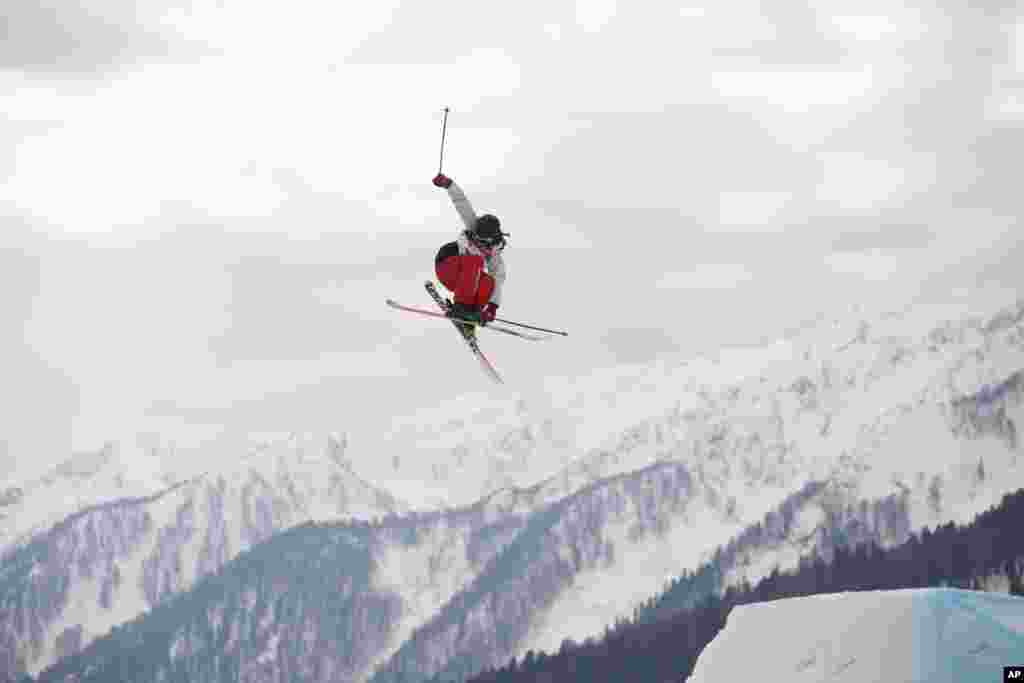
column 484, row 290
column 471, row 267
column 448, row 272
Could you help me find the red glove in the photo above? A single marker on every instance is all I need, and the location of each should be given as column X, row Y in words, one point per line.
column 441, row 180
column 487, row 315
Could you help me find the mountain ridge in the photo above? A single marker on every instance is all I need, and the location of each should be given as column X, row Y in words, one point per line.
column 863, row 403
column 112, row 561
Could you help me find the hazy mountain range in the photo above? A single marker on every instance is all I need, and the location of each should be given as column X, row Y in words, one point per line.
column 539, row 518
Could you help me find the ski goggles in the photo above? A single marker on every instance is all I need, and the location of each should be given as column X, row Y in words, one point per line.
column 490, row 242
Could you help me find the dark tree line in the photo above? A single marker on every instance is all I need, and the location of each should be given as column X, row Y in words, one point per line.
column 665, row 649
column 304, row 567
column 301, row 575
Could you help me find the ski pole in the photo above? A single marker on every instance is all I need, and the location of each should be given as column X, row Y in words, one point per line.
column 444, row 127
column 531, row 327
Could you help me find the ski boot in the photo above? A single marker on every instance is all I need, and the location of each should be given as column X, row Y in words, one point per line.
column 464, row 312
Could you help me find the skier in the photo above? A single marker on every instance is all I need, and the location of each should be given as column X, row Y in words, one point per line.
column 472, row 267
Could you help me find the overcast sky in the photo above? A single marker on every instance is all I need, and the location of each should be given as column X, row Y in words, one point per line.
column 205, row 203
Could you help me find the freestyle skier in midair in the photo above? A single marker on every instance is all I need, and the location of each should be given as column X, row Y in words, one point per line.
column 473, row 270
column 472, row 267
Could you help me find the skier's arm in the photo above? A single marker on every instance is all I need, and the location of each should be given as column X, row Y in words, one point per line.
column 462, row 205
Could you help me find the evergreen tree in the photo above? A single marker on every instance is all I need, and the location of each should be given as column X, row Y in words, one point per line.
column 663, row 646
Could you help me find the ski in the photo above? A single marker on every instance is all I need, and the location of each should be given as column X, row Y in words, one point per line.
column 469, row 334
column 491, row 326
column 484, row 363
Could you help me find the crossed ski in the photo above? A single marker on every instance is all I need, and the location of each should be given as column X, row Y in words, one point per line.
column 467, row 328
column 467, row 333
column 491, row 326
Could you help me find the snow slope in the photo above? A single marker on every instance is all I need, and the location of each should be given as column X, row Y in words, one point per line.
column 868, row 430
column 84, row 480
column 825, row 390
column 110, row 562
column 300, row 464
column 911, row 636
column 914, row 408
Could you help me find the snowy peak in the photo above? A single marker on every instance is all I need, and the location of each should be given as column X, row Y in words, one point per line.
column 86, row 479
column 799, row 409
column 115, row 559
column 864, row 432
column 309, row 476
column 917, row 411
column 312, row 472
column 457, row 455
column 293, row 454
column 829, row 389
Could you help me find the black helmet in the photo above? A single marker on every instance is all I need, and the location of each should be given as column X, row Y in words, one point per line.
column 487, row 231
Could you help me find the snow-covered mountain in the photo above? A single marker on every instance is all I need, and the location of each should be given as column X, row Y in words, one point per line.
column 866, row 435
column 317, row 602
column 872, row 428
column 110, row 562
column 840, row 433
column 82, row 481
column 593, row 557
column 588, row 497
column 822, row 392
column 916, row 636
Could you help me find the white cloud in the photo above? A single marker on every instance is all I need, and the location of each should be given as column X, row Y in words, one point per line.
column 797, row 90
column 211, row 134
column 82, row 37
column 303, row 31
column 1006, row 103
column 738, row 133
column 729, row 24
column 554, row 31
column 875, row 265
column 593, row 15
column 853, row 181
column 883, row 23
column 752, row 208
column 1017, row 43
column 261, row 377
column 707, row 276
column 865, row 27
